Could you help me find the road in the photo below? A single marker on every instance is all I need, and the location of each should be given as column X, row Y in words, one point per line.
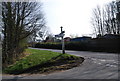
column 96, row 66
column 0, row 60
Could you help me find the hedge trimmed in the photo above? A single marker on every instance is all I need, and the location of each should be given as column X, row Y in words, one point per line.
column 100, row 45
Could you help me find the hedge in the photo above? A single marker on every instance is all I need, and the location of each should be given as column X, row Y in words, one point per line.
column 100, row 45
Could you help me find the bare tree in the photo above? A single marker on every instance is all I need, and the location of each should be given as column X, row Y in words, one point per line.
column 104, row 19
column 20, row 20
column 43, row 33
column 118, row 17
column 40, row 35
column 110, row 22
column 74, row 35
column 97, row 20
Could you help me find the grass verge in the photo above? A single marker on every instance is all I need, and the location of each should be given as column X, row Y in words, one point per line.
column 40, row 61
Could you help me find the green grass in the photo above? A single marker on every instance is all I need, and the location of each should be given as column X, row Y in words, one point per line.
column 37, row 57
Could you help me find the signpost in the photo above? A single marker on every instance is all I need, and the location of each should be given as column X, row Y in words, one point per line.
column 63, row 44
column 62, row 37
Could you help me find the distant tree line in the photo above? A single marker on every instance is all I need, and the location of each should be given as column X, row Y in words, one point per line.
column 105, row 19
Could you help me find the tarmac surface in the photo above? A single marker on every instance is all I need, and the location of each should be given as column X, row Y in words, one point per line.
column 97, row 65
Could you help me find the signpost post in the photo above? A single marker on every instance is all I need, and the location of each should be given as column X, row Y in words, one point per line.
column 62, row 37
column 63, row 44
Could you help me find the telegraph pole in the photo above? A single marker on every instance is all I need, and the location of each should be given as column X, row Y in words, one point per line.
column 63, row 44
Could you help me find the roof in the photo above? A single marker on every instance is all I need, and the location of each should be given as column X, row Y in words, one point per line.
column 80, row 38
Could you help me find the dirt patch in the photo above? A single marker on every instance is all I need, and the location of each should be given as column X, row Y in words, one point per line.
column 54, row 66
column 58, row 66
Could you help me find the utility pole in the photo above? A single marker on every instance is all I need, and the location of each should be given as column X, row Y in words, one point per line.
column 63, row 44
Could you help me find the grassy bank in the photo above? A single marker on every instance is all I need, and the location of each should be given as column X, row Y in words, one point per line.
column 43, row 61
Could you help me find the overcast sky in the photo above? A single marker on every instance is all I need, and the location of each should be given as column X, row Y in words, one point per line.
column 73, row 15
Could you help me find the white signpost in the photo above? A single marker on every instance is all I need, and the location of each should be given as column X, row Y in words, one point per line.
column 62, row 36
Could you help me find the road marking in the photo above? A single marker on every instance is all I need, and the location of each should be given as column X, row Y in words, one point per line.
column 110, row 65
column 103, row 60
column 99, row 63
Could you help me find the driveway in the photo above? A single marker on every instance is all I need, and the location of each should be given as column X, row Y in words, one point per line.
column 96, row 66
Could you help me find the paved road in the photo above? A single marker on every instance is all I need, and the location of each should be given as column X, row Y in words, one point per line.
column 96, row 66
column 0, row 61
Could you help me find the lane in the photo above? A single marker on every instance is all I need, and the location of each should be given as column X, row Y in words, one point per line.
column 0, row 60
column 96, row 66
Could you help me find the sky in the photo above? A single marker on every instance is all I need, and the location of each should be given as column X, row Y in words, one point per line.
column 73, row 15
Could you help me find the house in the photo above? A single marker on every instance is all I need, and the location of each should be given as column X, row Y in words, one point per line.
column 49, row 39
column 67, row 39
column 82, row 39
